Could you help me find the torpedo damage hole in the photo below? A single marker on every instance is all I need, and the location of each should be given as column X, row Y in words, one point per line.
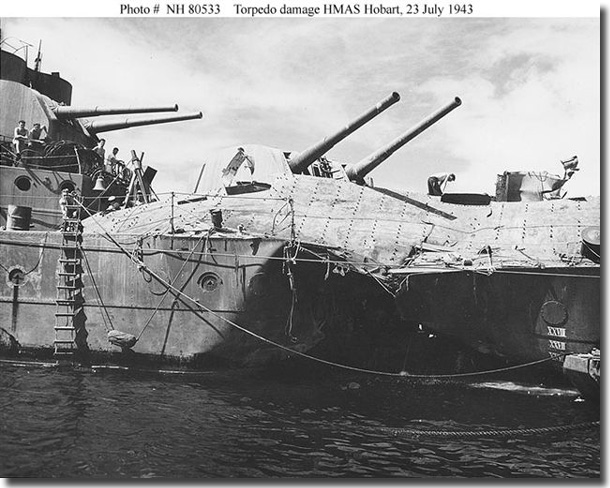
column 209, row 282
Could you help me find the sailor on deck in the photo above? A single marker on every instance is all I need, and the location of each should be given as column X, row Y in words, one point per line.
column 99, row 149
column 36, row 141
column 112, row 161
column 64, row 202
column 20, row 138
column 36, row 133
column 437, row 183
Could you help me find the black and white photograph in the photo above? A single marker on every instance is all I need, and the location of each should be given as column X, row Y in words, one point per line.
column 300, row 241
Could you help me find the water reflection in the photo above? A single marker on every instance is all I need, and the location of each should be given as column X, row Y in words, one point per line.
column 256, row 424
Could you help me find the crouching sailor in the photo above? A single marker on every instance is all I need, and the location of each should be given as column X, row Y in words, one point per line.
column 438, row 182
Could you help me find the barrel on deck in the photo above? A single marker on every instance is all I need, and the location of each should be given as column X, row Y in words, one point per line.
column 18, row 218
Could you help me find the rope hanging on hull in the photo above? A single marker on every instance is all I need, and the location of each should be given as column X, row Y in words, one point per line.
column 135, row 256
column 184, row 298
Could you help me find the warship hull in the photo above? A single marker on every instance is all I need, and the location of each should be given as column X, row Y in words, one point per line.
column 182, row 298
column 304, row 256
column 511, row 280
column 524, row 315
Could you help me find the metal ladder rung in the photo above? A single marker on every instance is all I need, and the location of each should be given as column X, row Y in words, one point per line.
column 67, row 352
column 69, row 283
column 64, row 329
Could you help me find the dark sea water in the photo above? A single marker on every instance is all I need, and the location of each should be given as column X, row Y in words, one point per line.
column 286, row 424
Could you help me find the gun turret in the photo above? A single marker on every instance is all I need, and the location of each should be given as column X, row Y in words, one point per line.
column 363, row 167
column 105, row 126
column 299, row 163
column 64, row 112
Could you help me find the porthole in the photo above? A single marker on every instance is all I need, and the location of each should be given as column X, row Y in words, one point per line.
column 24, row 183
column 554, row 313
column 209, row 282
column 16, row 276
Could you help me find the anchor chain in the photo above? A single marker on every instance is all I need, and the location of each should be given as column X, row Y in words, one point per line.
column 396, row 432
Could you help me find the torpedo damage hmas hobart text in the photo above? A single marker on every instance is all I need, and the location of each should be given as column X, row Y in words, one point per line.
column 326, row 9
column 410, row 9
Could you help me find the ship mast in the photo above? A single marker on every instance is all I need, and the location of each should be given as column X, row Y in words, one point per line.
column 38, row 60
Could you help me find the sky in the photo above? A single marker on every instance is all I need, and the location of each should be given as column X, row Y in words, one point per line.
column 530, row 89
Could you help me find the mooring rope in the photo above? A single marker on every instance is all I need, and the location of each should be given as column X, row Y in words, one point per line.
column 401, row 374
column 405, row 270
column 288, row 260
column 180, row 295
column 167, row 290
column 42, row 249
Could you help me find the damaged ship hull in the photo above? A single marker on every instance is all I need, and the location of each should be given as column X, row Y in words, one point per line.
column 193, row 301
column 182, row 311
column 304, row 253
column 509, row 279
column 523, row 315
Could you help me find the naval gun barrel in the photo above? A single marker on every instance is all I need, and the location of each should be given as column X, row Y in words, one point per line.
column 300, row 162
column 63, row 113
column 98, row 126
column 363, row 167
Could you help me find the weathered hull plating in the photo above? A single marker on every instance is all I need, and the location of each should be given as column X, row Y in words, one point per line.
column 521, row 314
column 235, row 280
column 507, row 278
